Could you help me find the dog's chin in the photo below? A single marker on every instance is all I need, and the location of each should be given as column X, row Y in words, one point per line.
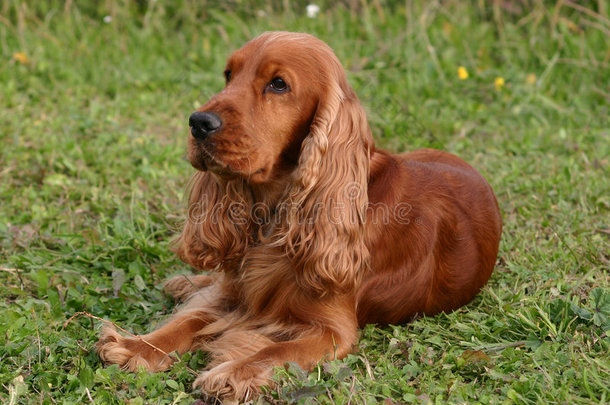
column 199, row 165
column 220, row 169
column 203, row 161
column 228, row 173
column 208, row 165
column 228, row 169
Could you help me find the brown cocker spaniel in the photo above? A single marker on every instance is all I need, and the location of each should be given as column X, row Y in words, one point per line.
column 308, row 230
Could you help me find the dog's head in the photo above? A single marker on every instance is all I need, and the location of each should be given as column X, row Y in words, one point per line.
column 277, row 86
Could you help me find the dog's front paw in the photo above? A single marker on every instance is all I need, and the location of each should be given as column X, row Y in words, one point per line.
column 235, row 380
column 130, row 353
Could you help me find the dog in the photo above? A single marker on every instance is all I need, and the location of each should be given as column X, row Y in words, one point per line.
column 307, row 229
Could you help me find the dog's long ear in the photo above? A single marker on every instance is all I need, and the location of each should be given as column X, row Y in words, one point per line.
column 217, row 230
column 327, row 201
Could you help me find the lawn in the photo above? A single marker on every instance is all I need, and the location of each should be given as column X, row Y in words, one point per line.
column 94, row 103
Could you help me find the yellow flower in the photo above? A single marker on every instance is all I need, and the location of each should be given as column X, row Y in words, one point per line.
column 530, row 79
column 462, row 73
column 21, row 57
column 499, row 83
column 447, row 27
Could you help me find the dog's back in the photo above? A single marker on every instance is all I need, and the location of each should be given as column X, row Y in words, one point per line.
column 445, row 226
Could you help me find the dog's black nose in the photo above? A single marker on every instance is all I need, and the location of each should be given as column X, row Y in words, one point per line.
column 204, row 124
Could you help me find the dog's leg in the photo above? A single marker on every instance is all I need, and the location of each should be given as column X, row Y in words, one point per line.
column 242, row 378
column 181, row 333
column 152, row 351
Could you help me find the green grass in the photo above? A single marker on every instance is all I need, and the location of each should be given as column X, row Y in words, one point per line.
column 93, row 129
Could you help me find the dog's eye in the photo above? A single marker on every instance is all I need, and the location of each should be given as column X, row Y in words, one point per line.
column 278, row 85
column 228, row 75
